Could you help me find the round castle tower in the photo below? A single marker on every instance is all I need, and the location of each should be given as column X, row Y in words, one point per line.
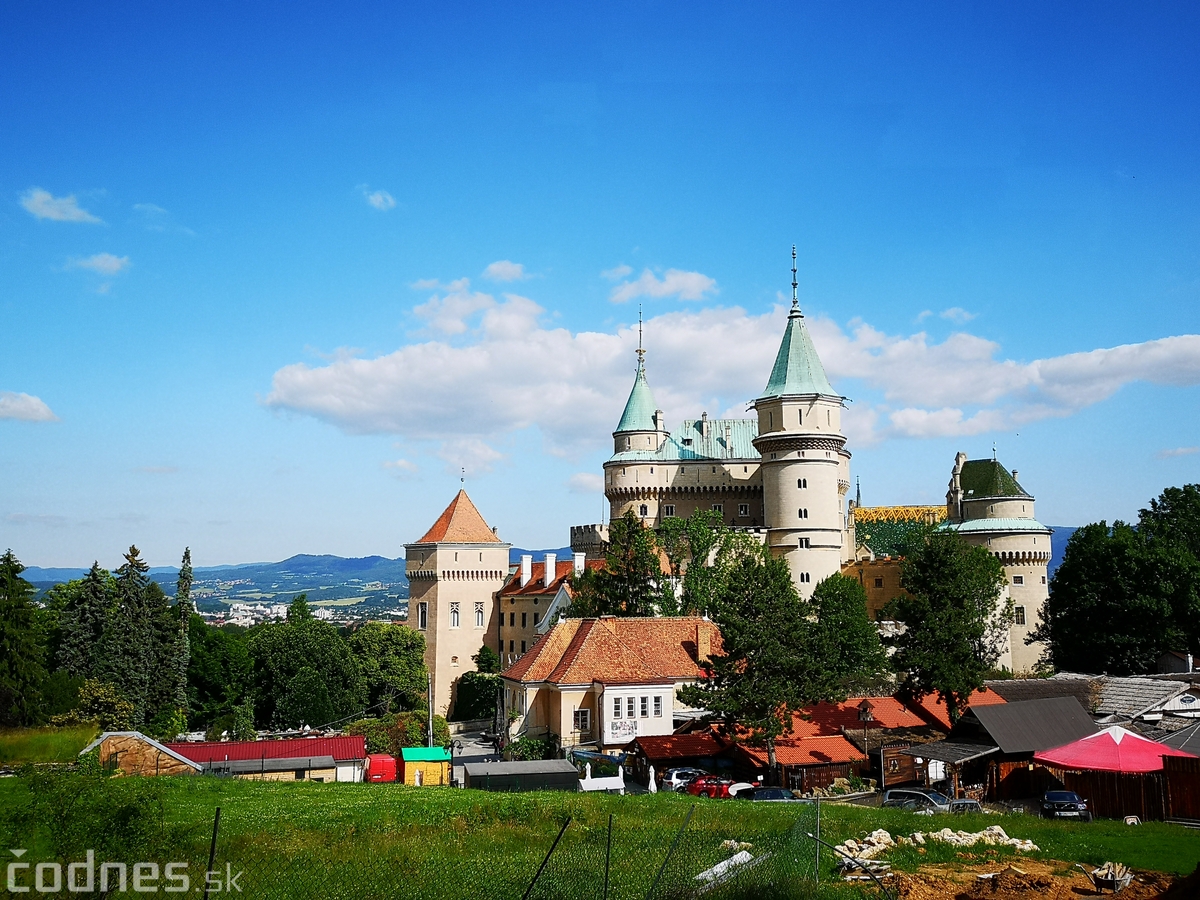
column 805, row 464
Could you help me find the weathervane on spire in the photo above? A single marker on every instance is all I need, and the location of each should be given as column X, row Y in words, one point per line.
column 462, row 478
column 640, row 352
column 795, row 284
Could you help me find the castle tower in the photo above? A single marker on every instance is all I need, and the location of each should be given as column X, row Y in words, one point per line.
column 987, row 506
column 454, row 571
column 641, row 427
column 805, row 466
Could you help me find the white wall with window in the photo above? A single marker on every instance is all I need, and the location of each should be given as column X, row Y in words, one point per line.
column 631, row 711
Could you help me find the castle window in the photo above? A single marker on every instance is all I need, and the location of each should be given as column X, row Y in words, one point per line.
column 658, row 706
column 805, row 578
column 828, row 417
column 804, row 543
column 1043, row 579
column 422, row 616
column 718, row 507
column 512, row 647
column 627, row 443
column 804, row 514
column 524, row 620
column 669, row 509
column 535, row 617
column 643, row 510
column 454, row 614
column 478, row 613
column 1018, row 579
column 799, row 417
column 630, row 708
column 743, row 510
column 714, row 470
column 454, row 660
column 802, row 483
column 652, row 470
column 878, row 582
column 1019, row 615
column 512, row 620
column 771, row 421
column 645, row 706
column 745, row 469
column 522, row 646
column 616, row 707
column 687, row 442
column 583, row 721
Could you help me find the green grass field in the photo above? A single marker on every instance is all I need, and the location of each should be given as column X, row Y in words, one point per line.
column 345, row 840
column 41, row 745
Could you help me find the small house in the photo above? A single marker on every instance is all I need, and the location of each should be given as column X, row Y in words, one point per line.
column 133, row 753
column 424, row 766
column 349, row 753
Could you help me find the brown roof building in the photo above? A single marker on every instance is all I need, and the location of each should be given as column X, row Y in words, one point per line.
column 608, row 680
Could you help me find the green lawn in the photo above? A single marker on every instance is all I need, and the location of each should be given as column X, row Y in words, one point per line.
column 344, row 840
column 40, row 745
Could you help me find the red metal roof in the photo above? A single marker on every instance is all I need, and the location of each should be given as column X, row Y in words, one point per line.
column 342, row 749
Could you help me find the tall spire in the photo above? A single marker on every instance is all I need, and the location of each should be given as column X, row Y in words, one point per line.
column 795, row 285
column 641, row 354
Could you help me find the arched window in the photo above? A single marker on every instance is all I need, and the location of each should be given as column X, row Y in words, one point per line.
column 804, row 514
column 643, row 510
column 454, row 618
column 478, row 613
column 802, row 482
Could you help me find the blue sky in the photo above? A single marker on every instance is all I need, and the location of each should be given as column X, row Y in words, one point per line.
column 272, row 274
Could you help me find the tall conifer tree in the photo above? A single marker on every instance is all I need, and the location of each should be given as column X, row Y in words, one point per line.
column 126, row 642
column 82, row 623
column 184, row 609
column 21, row 671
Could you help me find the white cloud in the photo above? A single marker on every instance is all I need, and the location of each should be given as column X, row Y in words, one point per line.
column 401, row 467
column 674, row 283
column 24, row 407
column 616, row 273
column 102, row 263
column 957, row 315
column 489, row 367
column 586, row 483
column 381, row 200
column 504, row 270
column 44, row 205
column 1177, row 451
column 468, row 456
column 426, row 284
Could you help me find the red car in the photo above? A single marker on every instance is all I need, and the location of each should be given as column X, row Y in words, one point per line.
column 710, row 786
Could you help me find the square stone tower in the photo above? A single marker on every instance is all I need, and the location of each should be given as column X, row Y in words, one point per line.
column 454, row 572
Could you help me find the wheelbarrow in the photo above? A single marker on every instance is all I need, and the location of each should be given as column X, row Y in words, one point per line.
column 1111, row 876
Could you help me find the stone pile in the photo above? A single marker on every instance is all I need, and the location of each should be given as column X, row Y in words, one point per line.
column 879, row 842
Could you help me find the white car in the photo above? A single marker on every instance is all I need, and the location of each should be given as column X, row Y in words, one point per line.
column 678, row 779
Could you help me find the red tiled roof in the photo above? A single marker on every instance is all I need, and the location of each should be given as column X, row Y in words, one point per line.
column 809, row 751
column 831, row 718
column 345, row 748
column 934, row 710
column 535, row 586
column 613, row 650
column 677, row 746
column 460, row 523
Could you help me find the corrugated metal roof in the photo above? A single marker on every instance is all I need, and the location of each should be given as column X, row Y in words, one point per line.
column 520, row 767
column 1185, row 739
column 1032, row 725
column 343, row 748
column 953, row 752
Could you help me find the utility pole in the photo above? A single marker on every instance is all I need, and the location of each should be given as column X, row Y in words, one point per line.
column 429, row 694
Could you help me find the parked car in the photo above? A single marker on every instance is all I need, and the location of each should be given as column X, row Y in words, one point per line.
column 709, row 786
column 1065, row 805
column 916, row 799
column 769, row 794
column 679, row 778
column 965, row 806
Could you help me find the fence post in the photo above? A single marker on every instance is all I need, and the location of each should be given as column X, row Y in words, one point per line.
column 671, row 851
column 607, row 856
column 538, row 874
column 212, row 851
column 818, row 841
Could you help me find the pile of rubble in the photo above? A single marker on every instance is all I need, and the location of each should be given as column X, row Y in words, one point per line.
column 879, row 842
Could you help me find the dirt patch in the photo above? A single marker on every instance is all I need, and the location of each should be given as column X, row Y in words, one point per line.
column 1037, row 879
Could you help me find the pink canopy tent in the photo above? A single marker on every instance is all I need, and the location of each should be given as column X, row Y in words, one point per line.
column 1114, row 749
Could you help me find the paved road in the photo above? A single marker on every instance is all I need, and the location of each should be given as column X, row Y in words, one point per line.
column 475, row 749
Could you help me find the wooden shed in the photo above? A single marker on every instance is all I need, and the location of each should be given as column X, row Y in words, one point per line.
column 523, row 775
column 423, row 766
column 133, row 753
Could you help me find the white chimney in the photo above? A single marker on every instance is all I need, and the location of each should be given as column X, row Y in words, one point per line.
column 579, row 563
column 549, row 574
column 526, row 568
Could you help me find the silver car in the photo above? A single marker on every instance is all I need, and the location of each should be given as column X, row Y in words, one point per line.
column 916, row 799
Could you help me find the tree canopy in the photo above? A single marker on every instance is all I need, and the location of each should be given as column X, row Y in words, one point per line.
column 631, row 583
column 857, row 659
column 21, row 654
column 955, row 626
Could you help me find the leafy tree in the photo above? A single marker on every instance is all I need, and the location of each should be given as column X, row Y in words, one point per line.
column 89, row 604
column 242, row 726
column 1120, row 598
column 856, row 656
column 60, row 693
column 631, row 582
column 770, row 665
column 281, row 650
column 955, row 626
column 487, row 660
column 21, row 655
column 392, row 661
column 124, row 654
column 695, row 548
column 299, row 610
column 475, row 696
column 1174, row 517
column 220, row 672
column 101, row 702
column 305, row 701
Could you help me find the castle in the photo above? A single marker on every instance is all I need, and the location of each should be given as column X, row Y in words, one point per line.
column 783, row 475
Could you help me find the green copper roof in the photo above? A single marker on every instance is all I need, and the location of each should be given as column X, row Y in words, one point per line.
column 987, row 478
column 689, row 442
column 797, row 369
column 640, row 408
column 991, row 526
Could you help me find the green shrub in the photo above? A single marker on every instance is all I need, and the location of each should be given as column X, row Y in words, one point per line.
column 476, row 696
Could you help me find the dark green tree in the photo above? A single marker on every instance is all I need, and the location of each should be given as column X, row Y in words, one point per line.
column 220, row 672
column 90, row 602
column 21, row 654
column 487, row 660
column 770, row 665
column 162, row 657
column 299, row 610
column 305, row 701
column 1174, row 517
column 184, row 609
column 856, row 656
column 125, row 651
column 695, row 548
column 1120, row 598
column 392, row 661
column 631, row 583
column 955, row 625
